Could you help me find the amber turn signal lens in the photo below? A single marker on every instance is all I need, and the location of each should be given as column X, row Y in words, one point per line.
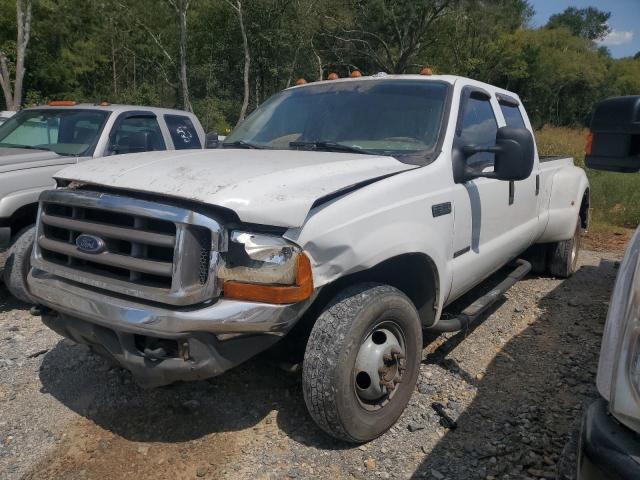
column 332, row 76
column 426, row 71
column 277, row 294
column 356, row 74
column 301, row 81
column 588, row 146
column 62, row 103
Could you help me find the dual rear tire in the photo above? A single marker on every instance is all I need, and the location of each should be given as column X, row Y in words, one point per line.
column 559, row 259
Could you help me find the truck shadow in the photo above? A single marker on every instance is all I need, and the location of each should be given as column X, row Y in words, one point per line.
column 524, row 419
column 8, row 302
column 531, row 373
column 237, row 400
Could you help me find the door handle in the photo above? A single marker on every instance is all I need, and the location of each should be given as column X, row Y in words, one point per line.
column 512, row 191
column 537, row 185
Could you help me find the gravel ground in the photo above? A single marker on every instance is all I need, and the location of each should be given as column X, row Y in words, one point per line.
column 515, row 387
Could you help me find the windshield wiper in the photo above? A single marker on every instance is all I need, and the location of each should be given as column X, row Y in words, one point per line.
column 329, row 147
column 241, row 144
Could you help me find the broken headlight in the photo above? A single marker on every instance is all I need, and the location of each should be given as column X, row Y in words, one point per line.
column 265, row 268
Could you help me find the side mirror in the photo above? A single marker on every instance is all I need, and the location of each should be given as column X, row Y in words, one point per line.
column 212, row 140
column 514, row 156
column 614, row 141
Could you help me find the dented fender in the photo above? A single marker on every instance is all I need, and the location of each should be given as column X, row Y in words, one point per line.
column 381, row 221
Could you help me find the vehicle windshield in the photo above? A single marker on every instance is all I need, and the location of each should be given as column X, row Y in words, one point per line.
column 65, row 132
column 388, row 117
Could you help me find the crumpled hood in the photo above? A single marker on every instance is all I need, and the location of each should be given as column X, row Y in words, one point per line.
column 270, row 187
column 21, row 158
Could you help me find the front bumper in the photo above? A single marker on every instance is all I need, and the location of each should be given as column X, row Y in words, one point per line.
column 210, row 339
column 608, row 450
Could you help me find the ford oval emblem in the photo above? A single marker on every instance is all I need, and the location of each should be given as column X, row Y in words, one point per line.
column 90, row 243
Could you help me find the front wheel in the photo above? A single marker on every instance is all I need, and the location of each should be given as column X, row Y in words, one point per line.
column 18, row 263
column 362, row 362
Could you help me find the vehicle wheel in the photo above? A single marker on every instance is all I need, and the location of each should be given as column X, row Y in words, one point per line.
column 563, row 256
column 18, row 263
column 362, row 362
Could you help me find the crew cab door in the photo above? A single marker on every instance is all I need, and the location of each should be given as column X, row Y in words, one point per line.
column 494, row 220
column 526, row 193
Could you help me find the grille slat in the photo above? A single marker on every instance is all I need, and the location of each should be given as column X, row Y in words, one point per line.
column 111, row 231
column 151, row 267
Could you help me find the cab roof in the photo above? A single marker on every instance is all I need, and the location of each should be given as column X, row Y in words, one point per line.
column 450, row 79
column 113, row 107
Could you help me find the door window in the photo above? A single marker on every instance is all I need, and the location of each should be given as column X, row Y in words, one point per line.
column 478, row 127
column 182, row 131
column 136, row 134
column 512, row 115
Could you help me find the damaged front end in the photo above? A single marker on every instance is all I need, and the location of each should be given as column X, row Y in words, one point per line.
column 167, row 293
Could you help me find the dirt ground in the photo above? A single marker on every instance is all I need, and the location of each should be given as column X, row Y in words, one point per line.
column 516, row 386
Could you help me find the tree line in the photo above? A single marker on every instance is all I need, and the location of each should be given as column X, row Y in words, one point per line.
column 222, row 58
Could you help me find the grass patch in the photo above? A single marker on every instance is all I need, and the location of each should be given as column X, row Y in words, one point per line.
column 615, row 197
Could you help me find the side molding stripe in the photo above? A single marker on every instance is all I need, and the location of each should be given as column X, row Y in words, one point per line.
column 462, row 252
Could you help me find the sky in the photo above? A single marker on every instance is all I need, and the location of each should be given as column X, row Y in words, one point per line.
column 624, row 39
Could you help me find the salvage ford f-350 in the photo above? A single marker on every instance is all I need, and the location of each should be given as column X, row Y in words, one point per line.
column 342, row 214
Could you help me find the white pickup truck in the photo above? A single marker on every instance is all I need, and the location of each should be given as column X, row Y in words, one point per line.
column 37, row 142
column 343, row 214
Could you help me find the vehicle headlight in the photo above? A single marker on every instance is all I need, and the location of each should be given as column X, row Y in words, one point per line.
column 265, row 268
column 619, row 366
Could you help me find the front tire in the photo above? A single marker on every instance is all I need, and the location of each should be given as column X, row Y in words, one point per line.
column 563, row 256
column 17, row 265
column 362, row 362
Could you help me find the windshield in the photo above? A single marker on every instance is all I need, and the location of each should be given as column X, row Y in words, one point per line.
column 65, row 132
column 390, row 117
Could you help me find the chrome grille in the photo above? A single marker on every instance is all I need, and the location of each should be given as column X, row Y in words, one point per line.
column 151, row 251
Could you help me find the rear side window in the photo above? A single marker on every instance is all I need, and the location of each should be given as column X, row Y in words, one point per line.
column 512, row 115
column 182, row 131
column 478, row 127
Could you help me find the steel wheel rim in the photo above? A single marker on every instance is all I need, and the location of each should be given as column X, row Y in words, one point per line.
column 380, row 365
column 574, row 250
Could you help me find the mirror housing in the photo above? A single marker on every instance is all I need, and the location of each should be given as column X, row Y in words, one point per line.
column 212, row 140
column 614, row 143
column 514, row 157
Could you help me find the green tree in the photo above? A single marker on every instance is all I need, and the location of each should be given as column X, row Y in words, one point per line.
column 558, row 75
column 589, row 23
column 388, row 35
column 625, row 77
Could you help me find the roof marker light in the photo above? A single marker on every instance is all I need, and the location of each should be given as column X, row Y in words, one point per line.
column 62, row 103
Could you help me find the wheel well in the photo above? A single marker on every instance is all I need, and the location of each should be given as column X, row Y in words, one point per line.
column 414, row 274
column 23, row 217
column 584, row 210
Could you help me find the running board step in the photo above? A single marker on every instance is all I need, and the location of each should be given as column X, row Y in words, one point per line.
column 472, row 312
